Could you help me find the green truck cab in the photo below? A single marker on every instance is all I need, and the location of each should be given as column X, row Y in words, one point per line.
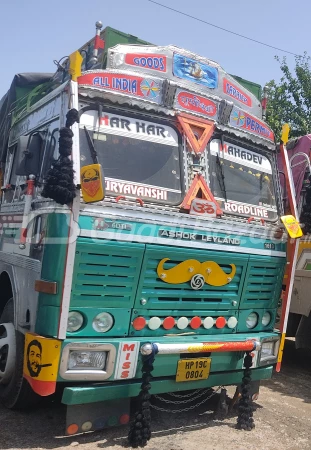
column 180, row 264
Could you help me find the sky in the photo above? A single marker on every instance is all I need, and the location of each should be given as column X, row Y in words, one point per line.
column 33, row 33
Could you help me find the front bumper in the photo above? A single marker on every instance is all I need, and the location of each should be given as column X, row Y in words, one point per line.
column 78, row 395
column 124, row 358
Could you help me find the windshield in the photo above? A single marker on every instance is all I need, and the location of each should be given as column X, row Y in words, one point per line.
column 241, row 180
column 139, row 158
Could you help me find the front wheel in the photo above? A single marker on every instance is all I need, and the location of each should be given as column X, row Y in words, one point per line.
column 15, row 391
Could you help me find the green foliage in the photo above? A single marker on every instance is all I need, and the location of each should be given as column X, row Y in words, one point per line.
column 289, row 101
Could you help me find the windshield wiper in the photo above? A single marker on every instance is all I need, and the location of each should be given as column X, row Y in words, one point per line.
column 221, row 177
column 91, row 146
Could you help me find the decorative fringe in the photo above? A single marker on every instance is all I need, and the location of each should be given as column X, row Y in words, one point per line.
column 222, row 406
column 59, row 185
column 140, row 430
column 72, row 117
column 245, row 416
column 305, row 217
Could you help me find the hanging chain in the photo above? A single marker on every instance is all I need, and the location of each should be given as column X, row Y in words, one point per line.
column 173, row 394
column 186, row 400
column 175, row 411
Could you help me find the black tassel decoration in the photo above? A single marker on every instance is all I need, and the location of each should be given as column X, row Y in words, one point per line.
column 245, row 416
column 59, row 185
column 140, row 430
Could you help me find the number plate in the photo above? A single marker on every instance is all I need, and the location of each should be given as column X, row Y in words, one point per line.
column 193, row 369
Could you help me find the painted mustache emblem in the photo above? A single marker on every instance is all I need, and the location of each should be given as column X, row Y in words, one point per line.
column 199, row 273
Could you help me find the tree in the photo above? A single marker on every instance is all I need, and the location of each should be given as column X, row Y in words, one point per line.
column 289, row 101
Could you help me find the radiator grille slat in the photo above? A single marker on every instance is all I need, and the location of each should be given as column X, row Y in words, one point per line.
column 263, row 283
column 106, row 274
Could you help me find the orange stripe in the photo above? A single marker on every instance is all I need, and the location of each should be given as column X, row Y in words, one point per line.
column 43, row 388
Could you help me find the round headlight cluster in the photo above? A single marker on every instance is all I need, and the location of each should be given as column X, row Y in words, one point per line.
column 266, row 319
column 103, row 322
column 75, row 321
column 252, row 320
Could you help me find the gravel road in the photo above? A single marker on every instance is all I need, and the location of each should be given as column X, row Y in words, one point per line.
column 282, row 417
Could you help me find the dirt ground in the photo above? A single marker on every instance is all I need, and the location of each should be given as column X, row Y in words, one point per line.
column 282, row 417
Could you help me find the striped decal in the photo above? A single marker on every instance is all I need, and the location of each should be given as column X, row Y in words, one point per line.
column 280, row 354
column 207, row 347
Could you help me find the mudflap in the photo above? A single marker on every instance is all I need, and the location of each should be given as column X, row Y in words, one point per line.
column 97, row 416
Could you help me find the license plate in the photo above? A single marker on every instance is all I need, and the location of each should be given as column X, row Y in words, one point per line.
column 193, row 369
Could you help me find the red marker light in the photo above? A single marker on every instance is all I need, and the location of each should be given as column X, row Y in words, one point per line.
column 195, row 322
column 220, row 322
column 124, row 419
column 168, row 323
column 139, row 323
column 72, row 429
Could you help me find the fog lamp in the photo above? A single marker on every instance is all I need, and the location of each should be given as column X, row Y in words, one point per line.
column 252, row 320
column 75, row 321
column 266, row 319
column 103, row 322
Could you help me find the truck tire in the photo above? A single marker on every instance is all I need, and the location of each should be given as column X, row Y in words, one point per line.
column 15, row 391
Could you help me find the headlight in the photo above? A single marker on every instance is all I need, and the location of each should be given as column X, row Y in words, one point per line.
column 252, row 320
column 75, row 321
column 103, row 322
column 267, row 349
column 84, row 360
column 266, row 319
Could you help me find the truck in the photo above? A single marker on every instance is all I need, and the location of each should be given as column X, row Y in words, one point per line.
column 141, row 245
column 299, row 321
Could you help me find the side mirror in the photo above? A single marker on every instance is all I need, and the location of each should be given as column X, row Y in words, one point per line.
column 29, row 150
column 92, row 183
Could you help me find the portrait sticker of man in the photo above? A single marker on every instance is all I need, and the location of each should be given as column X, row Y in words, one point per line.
column 41, row 362
column 34, row 355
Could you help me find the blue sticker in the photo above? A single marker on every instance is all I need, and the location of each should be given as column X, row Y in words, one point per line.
column 192, row 70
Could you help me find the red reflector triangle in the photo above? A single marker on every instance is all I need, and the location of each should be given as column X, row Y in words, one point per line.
column 199, row 189
column 190, row 124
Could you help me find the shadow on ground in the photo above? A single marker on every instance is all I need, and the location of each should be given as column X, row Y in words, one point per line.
column 294, row 380
column 44, row 427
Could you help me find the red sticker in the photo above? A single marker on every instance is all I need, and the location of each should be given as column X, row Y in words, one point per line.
column 233, row 91
column 146, row 61
column 126, row 84
column 196, row 103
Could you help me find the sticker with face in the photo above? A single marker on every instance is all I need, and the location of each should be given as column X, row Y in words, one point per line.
column 34, row 354
column 90, row 181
